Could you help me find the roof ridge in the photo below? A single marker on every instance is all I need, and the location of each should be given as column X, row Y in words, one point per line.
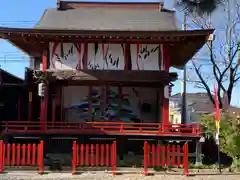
column 63, row 5
column 10, row 74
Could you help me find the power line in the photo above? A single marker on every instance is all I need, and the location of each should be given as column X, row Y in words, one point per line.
column 6, row 61
column 19, row 21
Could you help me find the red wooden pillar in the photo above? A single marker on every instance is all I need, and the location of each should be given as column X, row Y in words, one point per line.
column 44, row 61
column 53, row 109
column 85, row 56
column 43, row 111
column 54, row 103
column 146, row 158
column 44, row 100
column 165, row 100
column 41, row 157
column 58, row 95
column 126, row 56
column 165, row 113
column 2, row 156
column 45, row 106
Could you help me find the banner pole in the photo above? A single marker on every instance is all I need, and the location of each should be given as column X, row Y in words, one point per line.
column 218, row 145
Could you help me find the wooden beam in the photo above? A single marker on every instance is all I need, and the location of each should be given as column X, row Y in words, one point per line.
column 8, row 33
column 112, row 76
column 180, row 50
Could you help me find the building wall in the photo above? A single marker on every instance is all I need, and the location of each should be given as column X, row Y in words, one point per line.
column 104, row 56
column 70, row 56
column 10, row 109
column 137, row 104
column 175, row 110
column 175, row 116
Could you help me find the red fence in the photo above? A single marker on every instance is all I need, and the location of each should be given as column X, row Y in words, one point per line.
column 121, row 128
column 22, row 155
column 161, row 156
column 94, row 155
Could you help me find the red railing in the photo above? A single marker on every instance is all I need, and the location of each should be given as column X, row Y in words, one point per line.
column 21, row 155
column 165, row 156
column 102, row 128
column 94, row 155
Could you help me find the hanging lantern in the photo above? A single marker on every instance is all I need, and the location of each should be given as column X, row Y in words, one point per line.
column 166, row 91
column 41, row 89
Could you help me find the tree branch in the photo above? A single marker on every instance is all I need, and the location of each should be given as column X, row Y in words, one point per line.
column 203, row 83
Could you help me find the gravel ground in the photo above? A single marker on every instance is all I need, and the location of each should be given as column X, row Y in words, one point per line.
column 103, row 176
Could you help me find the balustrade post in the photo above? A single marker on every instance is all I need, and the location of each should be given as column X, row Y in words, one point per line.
column 74, row 159
column 41, row 157
column 185, row 159
column 114, row 157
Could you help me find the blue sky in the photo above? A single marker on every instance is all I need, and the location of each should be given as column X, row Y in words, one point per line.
column 26, row 13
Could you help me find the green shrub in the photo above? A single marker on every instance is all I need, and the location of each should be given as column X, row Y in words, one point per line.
column 229, row 135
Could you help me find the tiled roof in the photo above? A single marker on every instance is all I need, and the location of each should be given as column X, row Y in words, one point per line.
column 202, row 107
column 6, row 77
column 200, row 103
column 192, row 96
column 128, row 19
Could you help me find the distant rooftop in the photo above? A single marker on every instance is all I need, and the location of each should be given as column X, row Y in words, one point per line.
column 199, row 95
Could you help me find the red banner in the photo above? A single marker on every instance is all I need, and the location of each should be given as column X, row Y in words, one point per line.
column 217, row 114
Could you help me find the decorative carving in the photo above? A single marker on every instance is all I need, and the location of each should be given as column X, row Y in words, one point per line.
column 64, row 75
column 40, row 77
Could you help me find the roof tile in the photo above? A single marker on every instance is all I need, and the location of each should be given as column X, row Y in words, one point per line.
column 108, row 19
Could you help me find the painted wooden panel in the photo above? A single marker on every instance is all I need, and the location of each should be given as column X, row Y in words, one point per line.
column 72, row 96
column 146, row 57
column 105, row 56
column 105, row 104
column 66, row 55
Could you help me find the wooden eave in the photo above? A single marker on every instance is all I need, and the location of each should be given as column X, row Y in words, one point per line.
column 110, row 77
column 182, row 44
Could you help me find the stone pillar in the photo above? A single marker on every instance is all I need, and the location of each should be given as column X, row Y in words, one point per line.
column 45, row 140
column 121, row 148
column 198, row 153
column 5, row 139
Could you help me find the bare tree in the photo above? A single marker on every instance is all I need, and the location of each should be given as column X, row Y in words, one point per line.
column 222, row 61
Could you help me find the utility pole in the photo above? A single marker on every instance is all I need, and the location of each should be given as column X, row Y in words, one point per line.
column 184, row 101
